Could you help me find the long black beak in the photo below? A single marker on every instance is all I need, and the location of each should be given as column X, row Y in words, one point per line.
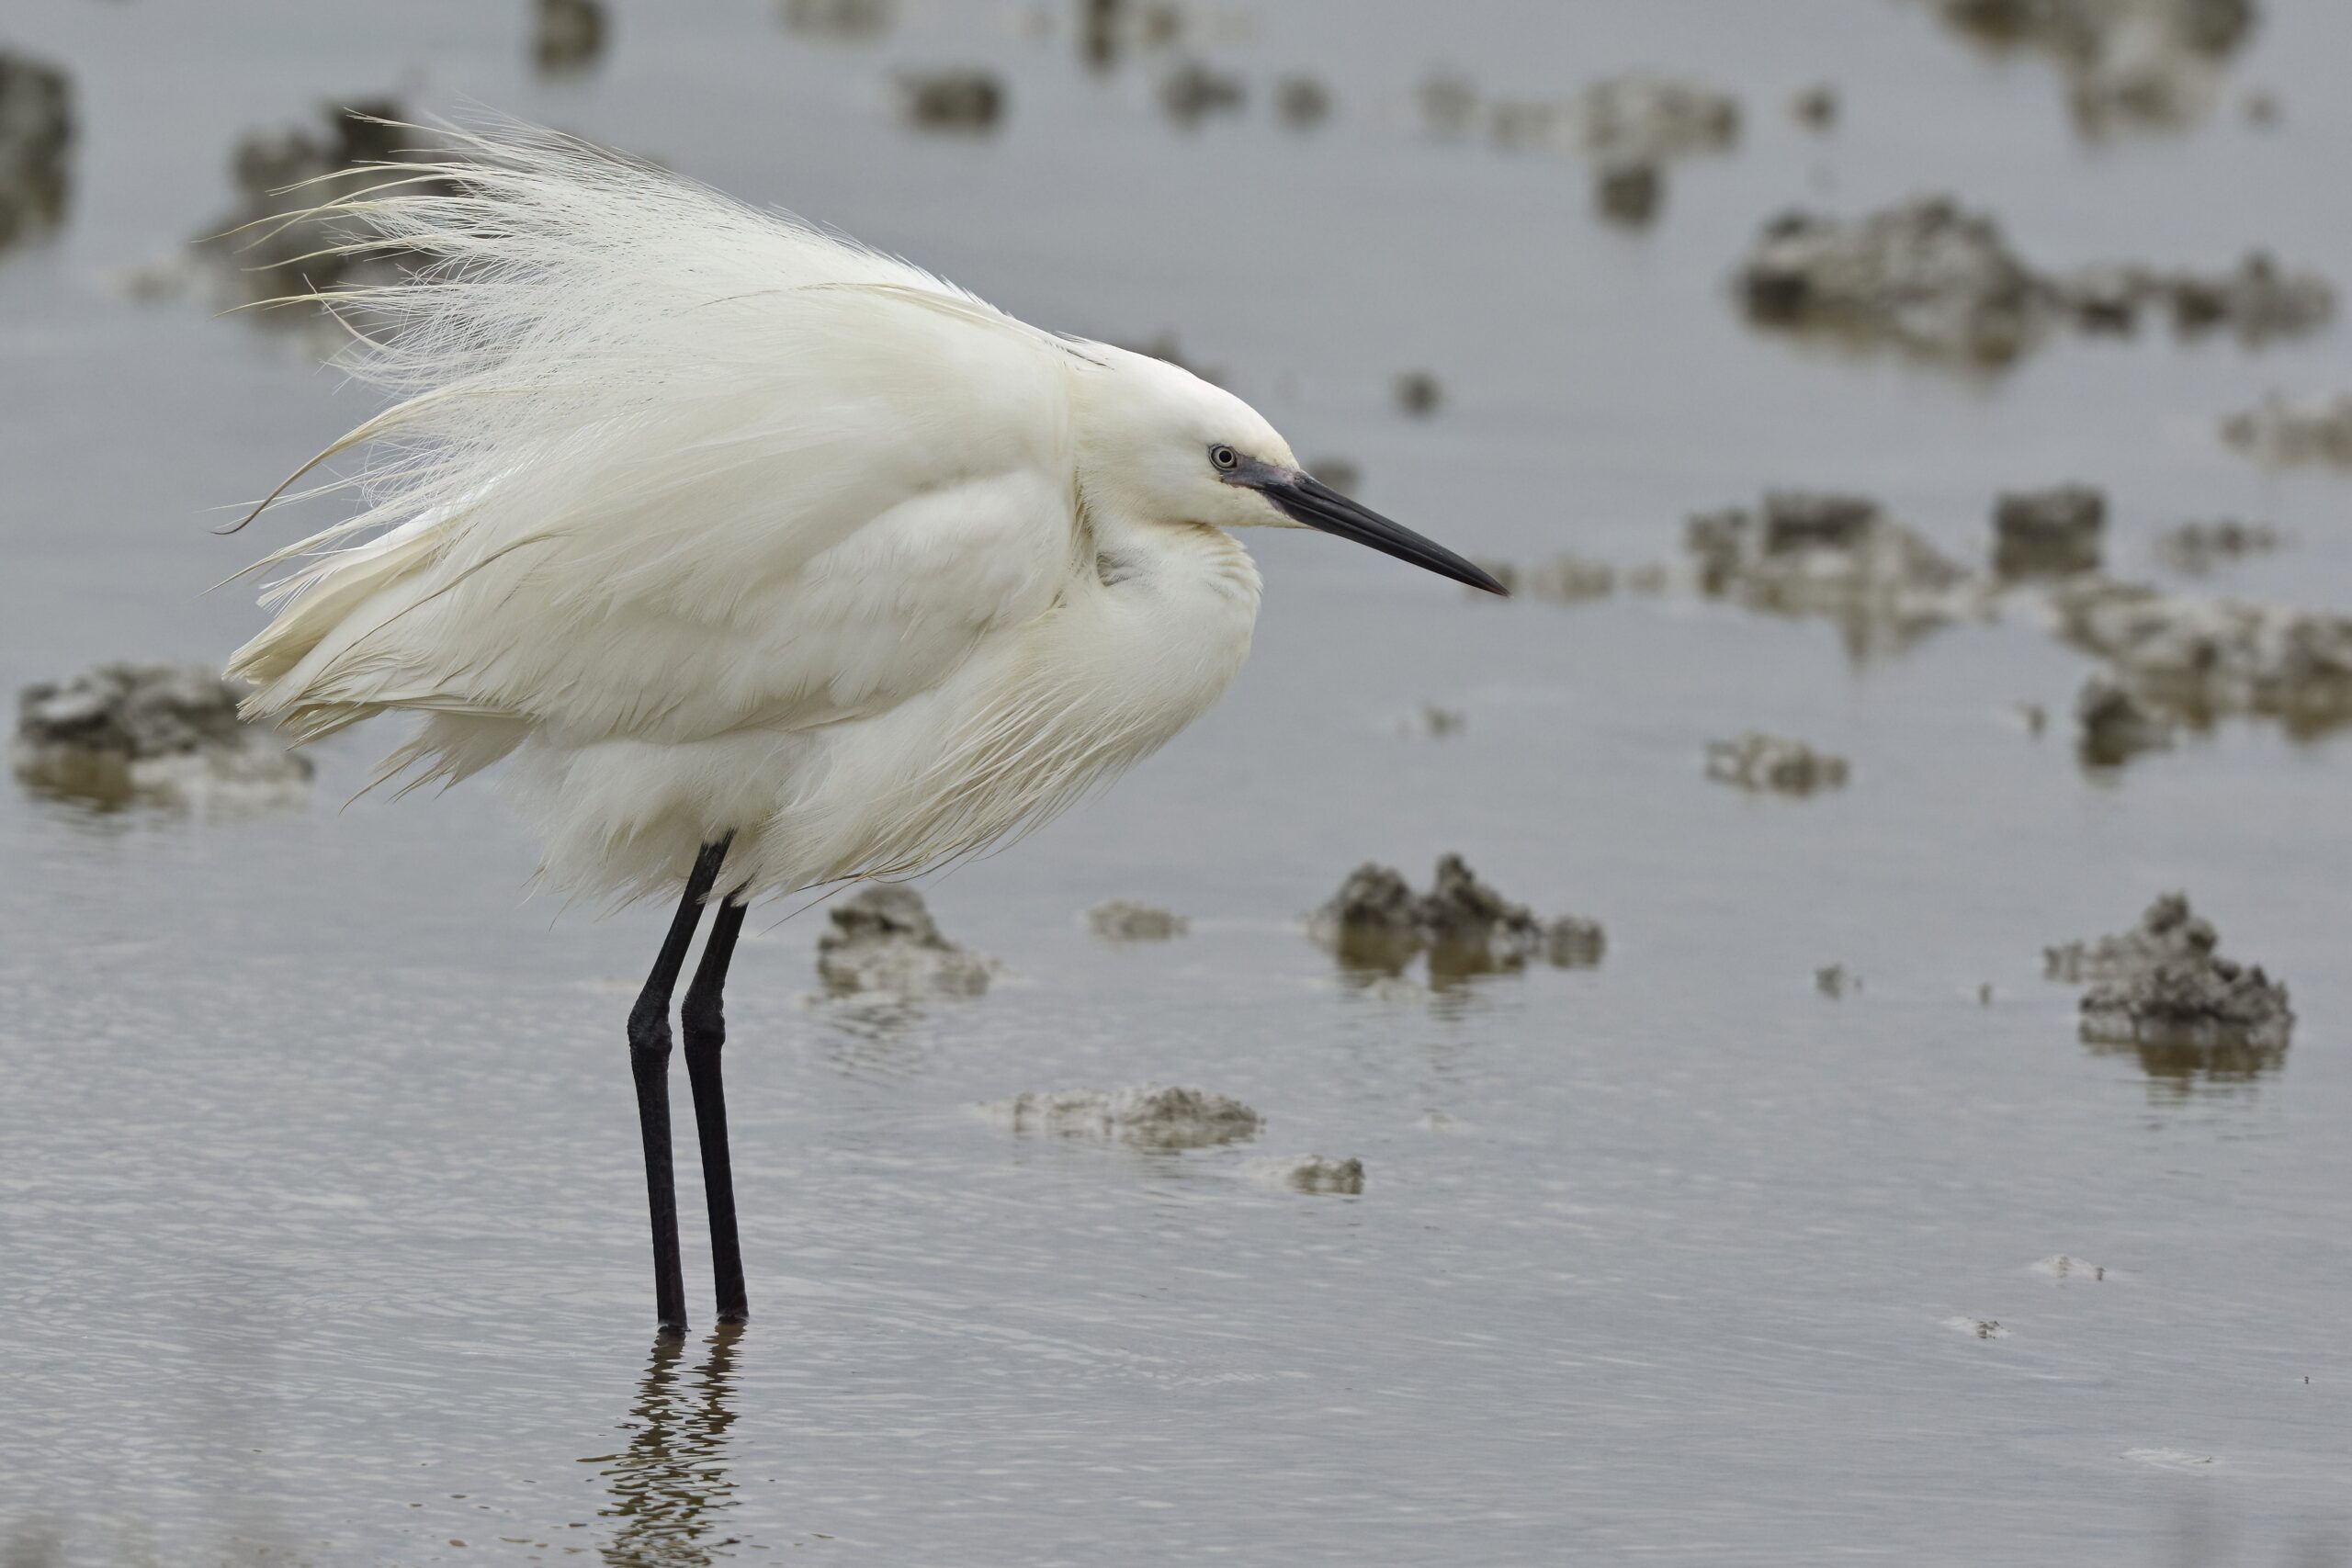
column 1304, row 499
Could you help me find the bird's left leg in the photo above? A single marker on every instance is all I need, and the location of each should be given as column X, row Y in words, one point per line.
column 649, row 1058
column 706, row 1031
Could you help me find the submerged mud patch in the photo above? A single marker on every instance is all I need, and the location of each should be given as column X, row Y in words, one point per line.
column 1930, row 277
column 2197, row 549
column 2281, row 433
column 1841, row 556
column 35, row 143
column 157, row 732
column 1761, row 761
column 1153, row 1116
column 955, row 102
column 2125, row 62
column 1313, row 1174
column 1377, row 924
column 2048, row 533
column 2164, row 989
column 2116, row 724
column 1124, row 920
column 2203, row 658
column 883, row 938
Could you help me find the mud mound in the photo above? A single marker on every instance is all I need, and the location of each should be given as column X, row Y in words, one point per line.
column 1376, row 922
column 159, row 732
column 883, row 940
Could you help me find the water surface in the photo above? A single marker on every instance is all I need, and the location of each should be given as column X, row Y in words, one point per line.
column 320, row 1212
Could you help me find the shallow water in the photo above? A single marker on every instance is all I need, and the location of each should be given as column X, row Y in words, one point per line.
column 321, row 1226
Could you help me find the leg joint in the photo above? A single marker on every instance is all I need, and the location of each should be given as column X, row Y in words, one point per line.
column 703, row 1018
column 649, row 1031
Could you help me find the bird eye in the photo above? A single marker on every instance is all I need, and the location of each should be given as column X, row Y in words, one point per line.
column 1224, row 457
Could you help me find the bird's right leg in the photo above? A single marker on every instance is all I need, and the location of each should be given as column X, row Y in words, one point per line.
column 649, row 1060
column 705, row 1021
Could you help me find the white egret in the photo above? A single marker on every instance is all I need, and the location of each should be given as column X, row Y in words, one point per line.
column 765, row 560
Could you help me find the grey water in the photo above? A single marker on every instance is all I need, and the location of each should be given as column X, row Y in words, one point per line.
column 321, row 1236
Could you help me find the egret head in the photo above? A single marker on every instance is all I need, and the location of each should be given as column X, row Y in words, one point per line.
column 1161, row 445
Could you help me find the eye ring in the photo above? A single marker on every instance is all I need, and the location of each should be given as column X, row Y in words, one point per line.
column 1225, row 457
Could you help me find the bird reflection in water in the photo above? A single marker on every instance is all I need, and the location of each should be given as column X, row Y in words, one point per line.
column 669, row 1487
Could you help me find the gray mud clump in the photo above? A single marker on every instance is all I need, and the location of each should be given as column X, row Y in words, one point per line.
column 843, row 20
column 1629, row 190
column 1759, row 762
column 567, row 34
column 2281, row 433
column 1434, row 722
column 2125, row 61
column 1573, row 941
column 2209, row 1005
column 1372, row 921
column 1122, row 920
column 1927, row 275
column 163, row 732
column 1377, row 921
column 2205, row 658
column 968, row 103
column 2164, row 988
column 883, row 940
column 36, row 136
column 1636, row 118
column 2116, row 724
column 1630, row 126
column 1643, row 116
column 1561, row 579
column 1152, row 1117
column 1109, row 29
column 2169, row 929
column 1834, row 980
column 2258, row 299
column 1932, row 277
column 1418, row 393
column 2197, row 549
column 1314, row 1174
column 1193, row 92
column 2048, row 533
column 1814, row 553
column 1301, row 103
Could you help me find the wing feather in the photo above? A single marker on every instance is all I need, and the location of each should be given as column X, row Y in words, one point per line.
column 664, row 466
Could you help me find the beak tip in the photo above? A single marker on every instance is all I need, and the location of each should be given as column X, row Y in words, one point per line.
column 1309, row 501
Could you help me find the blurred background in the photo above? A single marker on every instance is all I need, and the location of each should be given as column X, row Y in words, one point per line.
column 1918, row 432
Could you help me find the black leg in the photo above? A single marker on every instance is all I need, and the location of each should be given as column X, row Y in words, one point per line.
column 649, row 1061
column 706, row 1031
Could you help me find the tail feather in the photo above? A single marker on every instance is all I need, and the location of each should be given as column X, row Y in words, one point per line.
column 307, row 666
column 450, row 749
